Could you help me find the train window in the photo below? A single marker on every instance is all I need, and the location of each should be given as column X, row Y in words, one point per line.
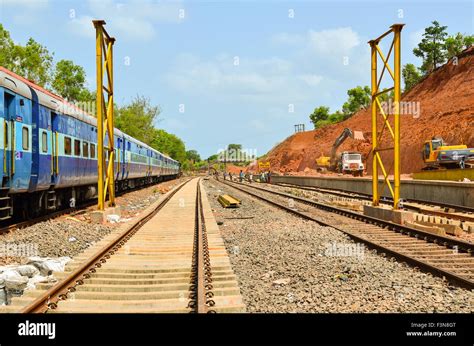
column 44, row 142
column 26, row 138
column 67, row 145
column 77, row 147
column 85, row 149
column 92, row 151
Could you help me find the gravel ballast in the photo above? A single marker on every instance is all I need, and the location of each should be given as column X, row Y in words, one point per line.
column 287, row 264
column 69, row 235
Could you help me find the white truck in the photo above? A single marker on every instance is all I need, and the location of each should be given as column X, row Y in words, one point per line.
column 351, row 163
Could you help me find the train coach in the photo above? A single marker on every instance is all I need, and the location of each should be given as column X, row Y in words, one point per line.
column 48, row 152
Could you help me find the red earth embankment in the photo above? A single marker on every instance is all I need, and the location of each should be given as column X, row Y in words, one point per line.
column 445, row 100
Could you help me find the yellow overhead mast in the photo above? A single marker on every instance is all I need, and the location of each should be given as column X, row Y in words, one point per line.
column 377, row 106
column 105, row 115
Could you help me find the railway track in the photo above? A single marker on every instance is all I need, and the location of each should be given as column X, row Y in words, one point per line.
column 171, row 260
column 456, row 212
column 440, row 255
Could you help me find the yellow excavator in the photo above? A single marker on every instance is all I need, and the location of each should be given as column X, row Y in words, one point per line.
column 437, row 154
column 348, row 162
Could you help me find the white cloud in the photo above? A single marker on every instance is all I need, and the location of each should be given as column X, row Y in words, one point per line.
column 415, row 37
column 134, row 20
column 249, row 77
column 338, row 41
column 314, row 72
column 82, row 26
column 335, row 52
column 164, row 11
column 327, row 42
column 286, row 38
column 132, row 28
column 254, row 80
column 24, row 12
column 311, row 79
column 25, row 4
column 205, row 77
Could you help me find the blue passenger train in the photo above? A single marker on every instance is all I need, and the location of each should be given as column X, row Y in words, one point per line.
column 48, row 152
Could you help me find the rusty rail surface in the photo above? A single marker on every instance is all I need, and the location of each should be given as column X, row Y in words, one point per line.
column 201, row 277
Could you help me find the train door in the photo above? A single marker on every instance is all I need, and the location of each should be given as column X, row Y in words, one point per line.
column 8, row 139
column 118, row 159
column 54, row 147
column 124, row 159
column 126, row 148
column 148, row 156
column 7, row 158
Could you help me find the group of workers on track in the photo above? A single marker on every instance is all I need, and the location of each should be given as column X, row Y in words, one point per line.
column 263, row 176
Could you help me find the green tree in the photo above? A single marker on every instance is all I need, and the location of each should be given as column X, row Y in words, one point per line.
column 32, row 61
column 432, row 47
column 85, row 95
column 199, row 164
column 411, row 76
column 455, row 44
column 333, row 118
column 185, row 166
column 236, row 147
column 212, row 158
column 359, row 97
column 6, row 49
column 136, row 119
column 193, row 155
column 169, row 144
column 319, row 114
column 68, row 80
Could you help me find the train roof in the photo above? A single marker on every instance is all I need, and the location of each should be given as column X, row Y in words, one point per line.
column 27, row 88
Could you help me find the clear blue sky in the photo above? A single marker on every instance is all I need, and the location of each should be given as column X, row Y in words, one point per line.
column 238, row 67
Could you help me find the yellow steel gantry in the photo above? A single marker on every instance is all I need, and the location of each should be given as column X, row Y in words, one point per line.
column 105, row 115
column 376, row 105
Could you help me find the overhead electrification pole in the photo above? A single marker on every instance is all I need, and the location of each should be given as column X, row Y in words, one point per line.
column 105, row 115
column 376, row 107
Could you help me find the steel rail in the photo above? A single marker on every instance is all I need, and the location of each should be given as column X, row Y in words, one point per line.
column 50, row 298
column 368, row 197
column 200, row 287
column 201, row 277
column 394, row 227
column 434, row 238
